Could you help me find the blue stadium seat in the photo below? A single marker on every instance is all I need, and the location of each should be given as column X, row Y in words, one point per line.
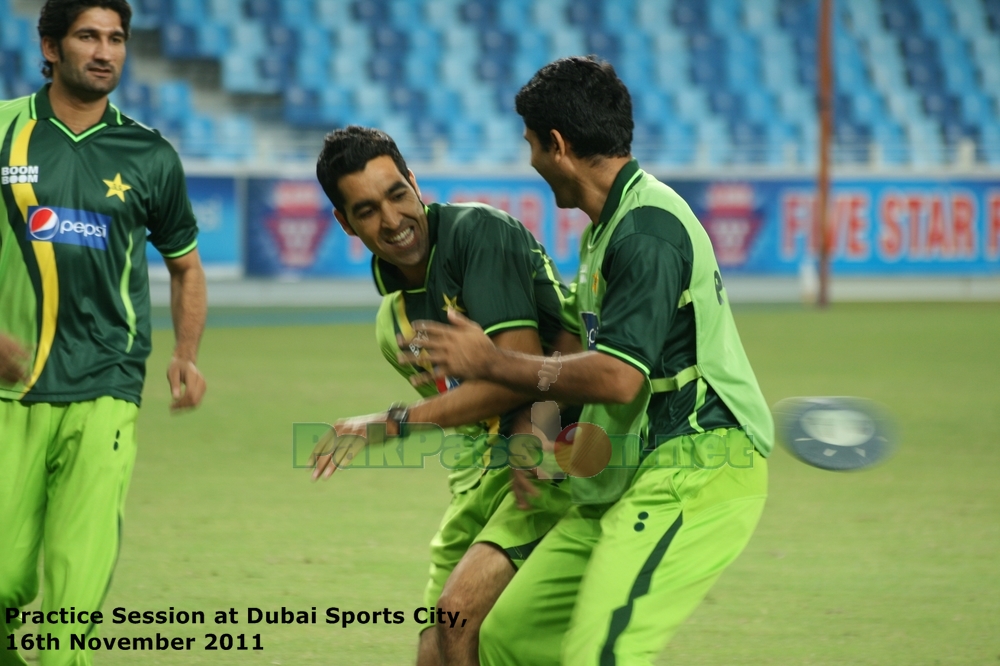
column 268, row 11
column 301, row 107
column 586, row 13
column 690, row 15
column 333, row 15
column 494, row 68
column 749, row 143
column 337, row 105
column 180, row 41
column 646, row 142
column 421, row 72
column 465, row 138
column 187, row 11
column 567, row 42
column 211, row 39
column 386, row 68
column 679, row 145
column 481, row 13
column 406, row 14
column 249, row 38
column 407, row 102
column 197, row 136
column 172, row 100
column 652, row 106
column 714, row 145
column 226, row 12
column 371, row 104
column 514, row 15
column 370, row 12
column 353, row 40
column 275, row 72
column 297, row 13
column 726, row 105
column 239, row 73
column 620, row 17
column 603, row 44
column 443, row 105
column 233, row 138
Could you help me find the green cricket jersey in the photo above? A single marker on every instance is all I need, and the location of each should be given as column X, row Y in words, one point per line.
column 485, row 264
column 75, row 213
column 649, row 293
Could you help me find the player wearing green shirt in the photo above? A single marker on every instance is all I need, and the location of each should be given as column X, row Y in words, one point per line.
column 82, row 188
column 427, row 260
column 613, row 580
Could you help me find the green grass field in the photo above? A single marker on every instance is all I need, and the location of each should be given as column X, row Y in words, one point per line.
column 896, row 565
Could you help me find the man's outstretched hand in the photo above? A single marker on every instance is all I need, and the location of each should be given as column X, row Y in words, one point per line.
column 460, row 350
column 341, row 443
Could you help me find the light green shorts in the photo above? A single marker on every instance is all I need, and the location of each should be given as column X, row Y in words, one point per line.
column 64, row 474
column 610, row 584
column 487, row 513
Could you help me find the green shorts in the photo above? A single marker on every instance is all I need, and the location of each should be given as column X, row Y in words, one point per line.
column 64, row 474
column 610, row 584
column 487, row 513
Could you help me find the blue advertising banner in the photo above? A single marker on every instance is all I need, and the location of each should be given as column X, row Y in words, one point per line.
column 214, row 200
column 291, row 229
column 764, row 227
column 899, row 227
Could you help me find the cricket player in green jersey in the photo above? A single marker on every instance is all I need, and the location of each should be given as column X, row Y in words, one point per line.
column 428, row 260
column 82, row 188
column 642, row 545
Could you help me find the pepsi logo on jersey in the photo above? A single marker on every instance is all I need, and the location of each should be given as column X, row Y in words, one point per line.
column 64, row 225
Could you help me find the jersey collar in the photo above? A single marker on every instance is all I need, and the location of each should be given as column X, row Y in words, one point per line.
column 388, row 278
column 624, row 179
column 41, row 109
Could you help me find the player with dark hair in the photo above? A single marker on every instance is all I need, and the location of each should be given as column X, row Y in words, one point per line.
column 664, row 365
column 82, row 188
column 428, row 260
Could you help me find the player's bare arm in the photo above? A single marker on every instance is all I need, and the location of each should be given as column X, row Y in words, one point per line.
column 188, row 308
column 462, row 350
column 14, row 360
column 469, row 402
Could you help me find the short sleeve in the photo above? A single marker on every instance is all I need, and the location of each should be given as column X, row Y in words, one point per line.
column 646, row 275
column 498, row 275
column 173, row 229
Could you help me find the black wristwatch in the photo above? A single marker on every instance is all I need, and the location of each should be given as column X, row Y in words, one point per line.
column 399, row 414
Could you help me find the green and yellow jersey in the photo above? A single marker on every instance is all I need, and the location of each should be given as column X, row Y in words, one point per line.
column 488, row 266
column 75, row 213
column 649, row 292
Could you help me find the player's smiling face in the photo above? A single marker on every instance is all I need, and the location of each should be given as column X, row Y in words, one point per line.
column 384, row 210
column 88, row 61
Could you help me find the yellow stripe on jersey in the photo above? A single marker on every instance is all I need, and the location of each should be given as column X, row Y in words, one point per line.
column 406, row 328
column 24, row 195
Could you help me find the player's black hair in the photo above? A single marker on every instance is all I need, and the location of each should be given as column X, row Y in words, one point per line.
column 58, row 15
column 584, row 100
column 348, row 150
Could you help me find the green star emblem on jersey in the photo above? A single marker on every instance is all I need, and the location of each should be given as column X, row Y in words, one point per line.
column 116, row 188
column 451, row 303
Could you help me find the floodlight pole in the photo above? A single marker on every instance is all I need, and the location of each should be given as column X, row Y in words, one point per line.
column 825, row 66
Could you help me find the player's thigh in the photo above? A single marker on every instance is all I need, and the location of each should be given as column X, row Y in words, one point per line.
column 662, row 547
column 528, row 621
column 90, row 463
column 515, row 531
column 464, row 519
column 26, row 429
